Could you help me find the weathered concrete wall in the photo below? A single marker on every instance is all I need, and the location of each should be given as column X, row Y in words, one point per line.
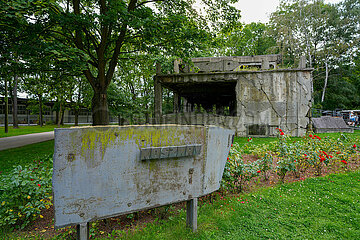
column 225, row 64
column 265, row 100
column 274, row 99
column 99, row 173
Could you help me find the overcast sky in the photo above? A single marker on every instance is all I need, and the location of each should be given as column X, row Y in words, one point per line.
column 259, row 10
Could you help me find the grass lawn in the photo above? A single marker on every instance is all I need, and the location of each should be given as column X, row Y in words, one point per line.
column 24, row 155
column 317, row 208
column 27, row 130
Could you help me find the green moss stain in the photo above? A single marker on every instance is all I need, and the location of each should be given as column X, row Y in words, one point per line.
column 101, row 138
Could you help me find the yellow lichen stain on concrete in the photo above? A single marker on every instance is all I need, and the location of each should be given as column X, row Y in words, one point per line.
column 153, row 166
column 100, row 138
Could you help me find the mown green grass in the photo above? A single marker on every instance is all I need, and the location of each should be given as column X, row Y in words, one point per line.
column 24, row 155
column 317, row 208
column 27, row 130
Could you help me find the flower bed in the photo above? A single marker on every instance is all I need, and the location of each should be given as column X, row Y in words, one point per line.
column 288, row 160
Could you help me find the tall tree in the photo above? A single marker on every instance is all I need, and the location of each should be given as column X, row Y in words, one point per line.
column 14, row 102
column 106, row 29
column 319, row 31
column 245, row 40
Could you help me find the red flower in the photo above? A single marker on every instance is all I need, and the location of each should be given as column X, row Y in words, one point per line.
column 32, row 179
column 281, row 133
column 318, row 137
column 330, row 156
column 39, row 185
column 322, row 158
column 231, row 145
column 343, row 161
column 338, row 152
column 258, row 171
column 310, row 136
column 280, row 130
column 313, row 137
column 354, row 146
column 294, row 160
column 228, row 159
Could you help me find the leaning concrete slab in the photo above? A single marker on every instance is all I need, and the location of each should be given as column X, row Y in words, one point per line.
column 327, row 124
column 105, row 171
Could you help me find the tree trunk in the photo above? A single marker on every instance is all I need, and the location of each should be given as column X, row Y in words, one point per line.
column 325, row 83
column 14, row 105
column 40, row 111
column 100, row 108
column 62, row 116
column 58, row 117
column 76, row 111
column 6, row 107
column 147, row 117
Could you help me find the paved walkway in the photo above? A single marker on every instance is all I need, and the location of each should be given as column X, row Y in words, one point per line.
column 22, row 140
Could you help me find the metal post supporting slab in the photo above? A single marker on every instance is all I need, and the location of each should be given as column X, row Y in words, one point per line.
column 82, row 231
column 191, row 214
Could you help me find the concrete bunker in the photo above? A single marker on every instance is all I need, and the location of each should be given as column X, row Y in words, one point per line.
column 248, row 94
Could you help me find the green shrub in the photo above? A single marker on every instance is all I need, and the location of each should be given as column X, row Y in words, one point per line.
column 236, row 172
column 285, row 165
column 24, row 192
column 265, row 164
